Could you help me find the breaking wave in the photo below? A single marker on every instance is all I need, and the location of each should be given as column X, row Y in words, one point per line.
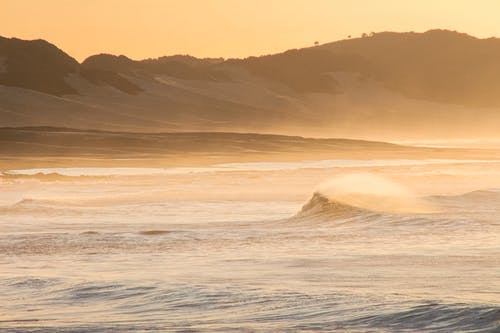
column 320, row 206
column 387, row 203
column 374, row 193
column 361, row 196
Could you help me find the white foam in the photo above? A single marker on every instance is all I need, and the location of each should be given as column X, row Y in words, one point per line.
column 251, row 166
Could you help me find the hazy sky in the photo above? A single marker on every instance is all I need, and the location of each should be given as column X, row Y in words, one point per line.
column 229, row 28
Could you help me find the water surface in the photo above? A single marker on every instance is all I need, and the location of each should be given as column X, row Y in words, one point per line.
column 254, row 250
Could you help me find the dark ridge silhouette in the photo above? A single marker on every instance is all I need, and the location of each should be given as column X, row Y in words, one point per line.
column 306, row 70
column 109, row 62
column 104, row 68
column 41, row 66
column 36, row 65
column 438, row 65
column 378, row 86
column 179, row 66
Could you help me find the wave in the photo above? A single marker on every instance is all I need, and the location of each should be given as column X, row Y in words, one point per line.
column 154, row 232
column 49, row 205
column 367, row 194
column 37, row 206
column 474, row 210
column 474, row 204
column 152, row 306
column 375, row 193
column 320, row 206
column 434, row 317
column 38, row 202
column 487, row 195
column 51, row 176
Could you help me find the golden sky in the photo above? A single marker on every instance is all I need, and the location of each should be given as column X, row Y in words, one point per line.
column 229, row 28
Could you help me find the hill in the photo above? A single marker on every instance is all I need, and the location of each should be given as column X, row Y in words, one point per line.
column 437, row 84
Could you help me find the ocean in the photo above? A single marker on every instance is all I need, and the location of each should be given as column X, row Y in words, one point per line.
column 342, row 246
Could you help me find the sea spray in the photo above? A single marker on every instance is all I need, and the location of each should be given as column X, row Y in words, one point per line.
column 373, row 192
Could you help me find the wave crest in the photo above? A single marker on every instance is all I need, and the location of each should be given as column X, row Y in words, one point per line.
column 320, row 205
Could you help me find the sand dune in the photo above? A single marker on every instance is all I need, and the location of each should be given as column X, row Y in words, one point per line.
column 343, row 89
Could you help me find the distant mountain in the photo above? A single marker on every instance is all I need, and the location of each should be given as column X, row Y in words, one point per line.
column 439, row 65
column 433, row 84
column 36, row 65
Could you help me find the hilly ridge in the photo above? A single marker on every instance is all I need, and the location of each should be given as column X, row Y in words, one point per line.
column 374, row 87
column 36, row 65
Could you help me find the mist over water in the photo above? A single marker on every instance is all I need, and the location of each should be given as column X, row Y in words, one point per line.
column 363, row 248
column 372, row 192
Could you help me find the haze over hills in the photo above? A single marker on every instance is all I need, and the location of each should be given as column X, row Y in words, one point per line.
column 437, row 84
